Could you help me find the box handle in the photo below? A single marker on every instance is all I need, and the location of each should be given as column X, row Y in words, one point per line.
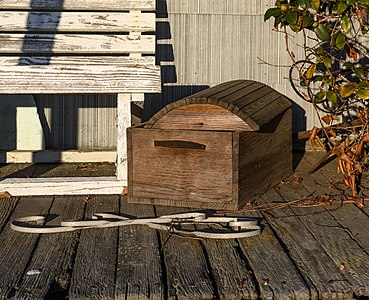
column 179, row 145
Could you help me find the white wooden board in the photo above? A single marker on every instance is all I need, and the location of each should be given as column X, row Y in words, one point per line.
column 55, row 156
column 76, row 43
column 62, row 186
column 79, row 75
column 76, row 21
column 100, row 5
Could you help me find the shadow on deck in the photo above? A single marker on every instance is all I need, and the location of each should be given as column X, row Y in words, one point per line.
column 316, row 248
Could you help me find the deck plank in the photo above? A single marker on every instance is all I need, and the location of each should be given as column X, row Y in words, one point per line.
column 95, row 265
column 277, row 278
column 7, row 205
column 54, row 255
column 139, row 271
column 233, row 278
column 186, row 267
column 17, row 170
column 338, row 230
column 313, row 262
column 17, row 248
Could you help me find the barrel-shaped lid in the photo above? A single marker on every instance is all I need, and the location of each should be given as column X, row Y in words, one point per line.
column 234, row 105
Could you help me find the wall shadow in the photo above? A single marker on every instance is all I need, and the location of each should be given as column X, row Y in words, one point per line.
column 171, row 91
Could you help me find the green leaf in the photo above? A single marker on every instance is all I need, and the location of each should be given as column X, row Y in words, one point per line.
column 363, row 85
column 307, row 21
column 310, row 71
column 341, row 7
column 302, row 4
column 365, row 2
column 348, row 65
column 331, row 96
column 346, row 24
column 350, row 2
column 291, row 17
column 320, row 50
column 272, row 12
column 347, row 90
column 331, row 80
column 314, row 4
column 327, row 62
column 362, row 94
column 340, row 40
column 322, row 33
column 319, row 97
column 277, row 21
column 359, row 73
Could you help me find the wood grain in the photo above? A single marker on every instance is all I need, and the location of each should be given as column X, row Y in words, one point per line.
column 23, row 21
column 16, row 248
column 62, row 186
column 180, row 174
column 233, row 277
column 275, row 272
column 186, row 266
column 76, row 43
column 95, row 265
column 201, row 117
column 79, row 5
column 7, row 206
column 123, row 122
column 139, row 271
column 314, row 262
column 336, row 231
column 252, row 102
column 265, row 158
column 54, row 254
column 63, row 75
column 57, row 156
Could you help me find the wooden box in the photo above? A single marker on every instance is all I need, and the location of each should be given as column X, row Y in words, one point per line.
column 215, row 149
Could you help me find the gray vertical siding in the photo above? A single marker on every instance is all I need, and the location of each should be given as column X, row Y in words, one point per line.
column 200, row 43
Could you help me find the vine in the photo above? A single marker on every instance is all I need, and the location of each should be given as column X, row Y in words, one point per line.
column 332, row 75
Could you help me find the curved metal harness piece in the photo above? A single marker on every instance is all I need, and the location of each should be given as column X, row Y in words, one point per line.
column 232, row 227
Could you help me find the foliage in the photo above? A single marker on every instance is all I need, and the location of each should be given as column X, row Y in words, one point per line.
column 333, row 74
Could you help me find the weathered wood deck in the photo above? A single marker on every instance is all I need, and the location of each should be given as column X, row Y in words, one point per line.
column 303, row 253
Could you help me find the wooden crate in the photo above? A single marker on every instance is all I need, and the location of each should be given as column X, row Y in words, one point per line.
column 215, row 149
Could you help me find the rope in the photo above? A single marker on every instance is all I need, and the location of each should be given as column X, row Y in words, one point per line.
column 232, row 227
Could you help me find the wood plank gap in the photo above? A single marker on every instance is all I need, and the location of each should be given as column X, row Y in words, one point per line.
column 94, row 268
column 228, row 271
column 187, row 272
column 303, row 248
column 139, row 265
column 54, row 255
column 276, row 279
column 16, row 248
column 164, row 267
column 7, row 207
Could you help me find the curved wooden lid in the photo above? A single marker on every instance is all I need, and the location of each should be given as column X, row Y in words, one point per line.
column 233, row 105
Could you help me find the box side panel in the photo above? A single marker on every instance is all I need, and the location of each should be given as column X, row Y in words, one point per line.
column 265, row 158
column 182, row 168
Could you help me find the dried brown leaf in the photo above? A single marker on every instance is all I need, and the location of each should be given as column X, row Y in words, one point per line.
column 5, row 195
column 342, row 266
column 125, row 191
column 327, row 119
column 87, row 198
